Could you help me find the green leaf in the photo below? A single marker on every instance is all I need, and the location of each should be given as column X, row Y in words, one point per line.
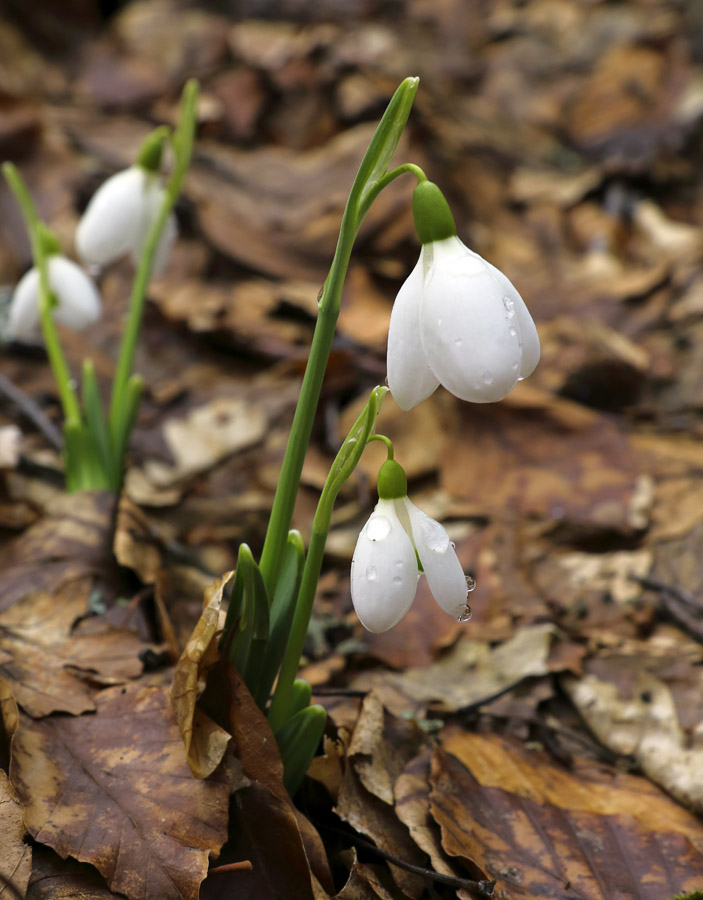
column 95, row 419
column 298, row 740
column 247, row 620
column 282, row 609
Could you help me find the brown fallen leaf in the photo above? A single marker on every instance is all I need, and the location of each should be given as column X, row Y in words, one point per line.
column 412, row 806
column 370, row 816
column 73, row 540
column 380, row 745
column 205, row 741
column 471, row 673
column 284, row 847
column 542, row 831
column 16, row 857
column 504, row 461
column 114, row 790
column 646, row 704
column 54, row 878
column 54, row 655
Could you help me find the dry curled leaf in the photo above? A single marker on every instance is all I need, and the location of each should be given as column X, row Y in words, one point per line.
column 205, row 741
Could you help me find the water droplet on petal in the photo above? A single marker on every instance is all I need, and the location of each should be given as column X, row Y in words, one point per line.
column 521, row 378
column 387, row 383
column 397, row 581
column 378, row 528
column 509, row 305
column 465, row 615
column 487, row 378
column 515, row 367
column 371, row 573
column 470, row 583
column 457, row 342
column 453, row 544
column 513, row 332
column 439, row 322
column 399, row 564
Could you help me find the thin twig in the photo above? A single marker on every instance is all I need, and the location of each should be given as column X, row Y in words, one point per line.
column 31, row 411
column 483, row 888
column 680, row 606
column 682, row 596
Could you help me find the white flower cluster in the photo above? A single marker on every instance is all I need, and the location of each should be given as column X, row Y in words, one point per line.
column 116, row 223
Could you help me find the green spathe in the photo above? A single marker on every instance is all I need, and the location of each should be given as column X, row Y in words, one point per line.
column 433, row 218
column 392, row 482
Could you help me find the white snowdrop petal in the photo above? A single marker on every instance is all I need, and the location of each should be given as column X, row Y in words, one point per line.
column 79, row 300
column 527, row 332
column 467, row 326
column 439, row 560
column 23, row 322
column 383, row 571
column 409, row 376
column 111, row 224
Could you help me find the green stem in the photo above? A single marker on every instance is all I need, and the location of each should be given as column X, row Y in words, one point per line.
column 371, row 178
column 386, row 440
column 59, row 366
column 301, row 429
column 183, row 146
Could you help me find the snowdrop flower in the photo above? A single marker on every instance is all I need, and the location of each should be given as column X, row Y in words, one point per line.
column 78, row 301
column 457, row 320
column 120, row 214
column 384, row 571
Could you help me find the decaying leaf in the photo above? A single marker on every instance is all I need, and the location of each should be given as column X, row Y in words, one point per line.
column 54, row 878
column 205, row 741
column 544, row 832
column 114, row 789
column 16, row 856
column 470, row 673
column 646, row 704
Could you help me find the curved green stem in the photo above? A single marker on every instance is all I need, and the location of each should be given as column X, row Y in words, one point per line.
column 386, row 440
column 57, row 360
column 386, row 180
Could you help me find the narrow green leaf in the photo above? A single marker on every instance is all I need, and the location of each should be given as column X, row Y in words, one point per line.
column 95, row 419
column 298, row 740
column 282, row 609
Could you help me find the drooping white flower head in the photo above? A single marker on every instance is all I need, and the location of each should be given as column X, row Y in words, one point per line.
column 384, row 571
column 78, row 299
column 457, row 320
column 120, row 214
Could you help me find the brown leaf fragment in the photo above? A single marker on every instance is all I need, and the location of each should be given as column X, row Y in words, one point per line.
column 16, row 856
column 114, row 790
column 205, row 741
column 542, row 832
column 363, row 884
column 263, row 830
column 412, row 806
